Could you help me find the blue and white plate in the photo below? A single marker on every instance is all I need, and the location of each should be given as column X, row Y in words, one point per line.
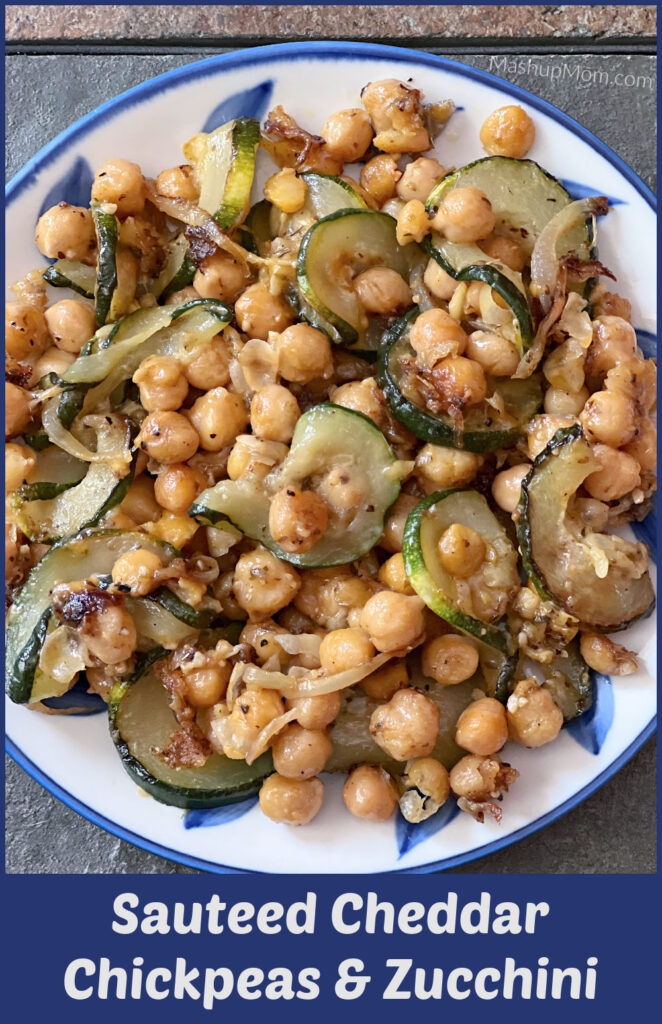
column 72, row 755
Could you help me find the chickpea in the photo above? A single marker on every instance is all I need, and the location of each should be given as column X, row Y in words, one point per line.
column 221, row 276
column 178, row 183
column 395, row 112
column 297, row 519
column 434, row 336
column 406, row 726
column 419, row 178
column 465, row 215
column 120, row 182
column 610, row 304
column 363, row 396
column 258, row 312
column 253, row 710
column 440, row 468
column 481, row 778
column 285, row 190
column 461, row 380
column 328, row 595
column 274, row 413
column 137, row 571
column 66, row 233
column 26, row 334
column 304, row 354
column 218, row 416
column 496, row 355
column 395, row 524
column 140, row 503
column 70, row 323
column 54, row 360
column 605, row 656
column 206, row 686
column 301, row 753
column 17, row 409
column 461, row 550
column 208, row 365
column 379, row 177
column 342, row 649
column 508, row 131
column 393, row 621
column 609, row 416
column 163, row 386
column 177, row 487
column 347, row 134
column 440, row 284
column 382, row 291
column 110, row 634
column 370, row 793
column 449, row 659
column 252, row 457
column 291, row 801
column 394, row 576
column 412, row 223
column 559, row 402
column 506, row 251
column 507, row 486
column 426, row 787
column 178, row 298
column 643, row 447
column 533, row 717
column 343, row 488
column 316, row 712
column 540, row 431
column 618, row 474
column 482, row 728
column 614, row 342
column 168, row 437
column 387, row 680
column 20, row 464
column 263, row 584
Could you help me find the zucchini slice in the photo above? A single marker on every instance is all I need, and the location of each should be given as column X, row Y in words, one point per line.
column 178, row 272
column 141, row 724
column 73, row 558
column 327, row 194
column 326, row 437
column 107, row 231
column 340, row 246
column 484, row 428
column 72, row 274
column 570, row 682
column 599, row 578
column 475, row 604
column 224, row 163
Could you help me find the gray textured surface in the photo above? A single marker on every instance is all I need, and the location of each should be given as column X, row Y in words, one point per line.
column 613, row 831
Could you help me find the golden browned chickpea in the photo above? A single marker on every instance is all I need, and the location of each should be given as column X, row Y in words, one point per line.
column 70, row 323
column 449, row 659
column 506, row 251
column 508, row 131
column 348, row 133
column 464, row 215
column 419, row 178
column 605, row 656
column 258, row 312
column 434, row 336
column 481, row 778
column 609, row 417
column 617, row 476
column 412, row 223
column 462, row 381
column 382, row 291
column 140, row 503
column 20, row 464
column 162, row 383
column 304, row 354
column 253, row 709
column 110, row 634
column 274, row 413
column 496, row 354
column 316, row 712
column 17, row 409
column 461, row 550
column 26, row 334
column 168, row 437
column 395, row 524
column 208, row 365
column 396, row 115
column 406, row 726
column 440, row 284
column 120, row 182
column 438, row 467
column 610, row 304
column 643, row 446
column 394, row 576
column 363, row 396
column 559, row 402
column 614, row 341
column 370, row 793
column 343, row 649
column 54, row 360
column 206, row 686
column 218, row 416
column 262, row 584
column 379, row 177
column 393, row 621
column 286, row 190
column 426, row 787
column 482, row 728
column 297, row 519
column 251, row 456
column 178, row 183
column 301, row 753
column 387, row 680
column 137, row 571
column 221, row 276
column 291, row 801
column 178, row 298
column 177, row 487
column 507, row 486
column 66, row 233
column 533, row 717
column 343, row 488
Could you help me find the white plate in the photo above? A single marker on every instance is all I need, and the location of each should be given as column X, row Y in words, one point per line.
column 73, row 756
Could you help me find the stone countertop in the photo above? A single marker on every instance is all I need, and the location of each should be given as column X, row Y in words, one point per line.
column 612, row 831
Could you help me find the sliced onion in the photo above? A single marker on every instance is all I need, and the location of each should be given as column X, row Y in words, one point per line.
column 62, row 656
column 545, row 259
column 65, row 440
column 263, row 740
column 314, row 683
column 575, row 321
column 219, row 541
column 299, row 643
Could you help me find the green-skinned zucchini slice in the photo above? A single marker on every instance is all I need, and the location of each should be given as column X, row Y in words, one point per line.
column 141, row 724
column 326, row 194
column 484, row 428
column 601, row 579
column 107, row 232
column 570, row 682
column 178, row 272
column 74, row 275
column 326, row 437
column 224, row 162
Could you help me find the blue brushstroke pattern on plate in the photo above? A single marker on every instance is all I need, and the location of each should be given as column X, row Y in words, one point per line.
column 248, row 103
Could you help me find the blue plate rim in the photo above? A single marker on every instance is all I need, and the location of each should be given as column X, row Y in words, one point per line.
column 269, row 54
